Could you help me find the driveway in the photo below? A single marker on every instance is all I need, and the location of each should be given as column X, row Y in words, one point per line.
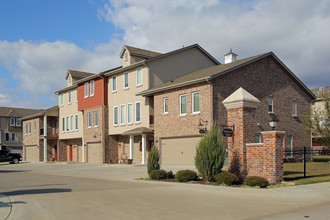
column 84, row 191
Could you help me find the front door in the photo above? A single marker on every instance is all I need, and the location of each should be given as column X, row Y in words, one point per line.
column 71, row 153
column 55, row 152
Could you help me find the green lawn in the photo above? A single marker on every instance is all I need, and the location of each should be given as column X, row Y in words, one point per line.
column 294, row 171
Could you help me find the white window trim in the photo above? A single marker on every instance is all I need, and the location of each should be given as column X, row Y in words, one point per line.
column 20, row 122
column 69, row 97
column 62, row 99
column 127, row 80
column 26, row 128
column 77, row 95
column 10, row 121
column 136, row 121
column 35, row 126
column 89, row 119
column 296, row 108
column 67, row 129
column 11, row 137
column 272, row 105
column 76, row 124
column 193, row 103
column 96, row 125
column 63, row 124
column 129, row 123
column 165, row 113
column 180, row 105
column 18, row 139
column 114, row 77
column 114, row 116
column 30, row 128
column 86, row 87
column 92, row 90
column 124, row 115
column 137, row 77
column 72, row 122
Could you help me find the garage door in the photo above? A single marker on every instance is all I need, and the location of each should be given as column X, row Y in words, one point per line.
column 32, row 153
column 179, row 150
column 93, row 153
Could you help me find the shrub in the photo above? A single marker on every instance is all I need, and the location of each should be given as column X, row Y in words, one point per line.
column 170, row 174
column 158, row 174
column 256, row 181
column 226, row 178
column 210, row 154
column 153, row 159
column 185, row 175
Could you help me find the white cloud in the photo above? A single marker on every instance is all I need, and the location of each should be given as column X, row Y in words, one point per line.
column 297, row 31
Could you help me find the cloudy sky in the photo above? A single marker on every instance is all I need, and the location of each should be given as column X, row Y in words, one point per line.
column 40, row 40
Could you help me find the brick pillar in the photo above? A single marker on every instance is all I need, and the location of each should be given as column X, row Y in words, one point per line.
column 240, row 114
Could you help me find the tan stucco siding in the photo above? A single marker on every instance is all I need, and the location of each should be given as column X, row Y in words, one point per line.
column 124, row 97
column 176, row 65
column 68, row 110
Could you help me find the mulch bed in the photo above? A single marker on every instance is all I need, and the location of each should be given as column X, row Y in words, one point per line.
column 201, row 181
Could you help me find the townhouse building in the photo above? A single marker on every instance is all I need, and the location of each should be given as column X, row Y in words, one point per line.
column 40, row 136
column 11, row 127
column 186, row 107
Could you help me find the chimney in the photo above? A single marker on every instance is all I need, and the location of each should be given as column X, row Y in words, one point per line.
column 230, row 57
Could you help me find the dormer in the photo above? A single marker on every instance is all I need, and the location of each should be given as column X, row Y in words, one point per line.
column 68, row 79
column 73, row 75
column 131, row 55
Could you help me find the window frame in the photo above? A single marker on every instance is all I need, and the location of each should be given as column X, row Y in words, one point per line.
column 62, row 99
column 72, row 123
column 18, row 122
column 164, row 107
column 29, row 128
column 67, row 124
column 122, row 115
column 137, row 76
column 63, row 124
column 34, row 126
column 76, row 122
column 114, row 84
column 130, row 115
column 10, row 121
column 193, row 102
column 114, row 116
column 7, row 134
column 13, row 137
column 136, row 112
column 86, row 90
column 26, row 128
column 77, row 95
column 19, row 137
column 294, row 108
column 270, row 105
column 92, row 88
column 126, row 73
column 291, row 146
column 70, row 97
column 259, row 138
column 181, row 96
column 89, row 120
column 96, row 119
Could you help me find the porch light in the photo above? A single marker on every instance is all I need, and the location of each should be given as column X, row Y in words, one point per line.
column 273, row 124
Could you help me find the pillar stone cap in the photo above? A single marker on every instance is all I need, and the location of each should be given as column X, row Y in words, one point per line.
column 273, row 132
column 241, row 98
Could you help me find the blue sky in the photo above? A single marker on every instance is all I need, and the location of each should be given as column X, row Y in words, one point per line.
column 40, row 40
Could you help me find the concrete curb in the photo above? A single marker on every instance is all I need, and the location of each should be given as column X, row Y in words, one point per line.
column 5, row 206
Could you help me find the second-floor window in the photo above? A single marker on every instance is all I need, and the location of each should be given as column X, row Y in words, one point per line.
column 139, row 76
column 138, row 112
column 115, row 115
column 183, row 104
column 18, row 122
column 62, row 99
column 13, row 137
column 72, row 120
column 92, row 88
column 67, row 123
column 96, row 119
column 7, row 136
column 29, row 127
column 89, row 120
column 165, row 105
column 122, row 114
column 77, row 122
column 270, row 104
column 70, row 97
column 196, row 102
column 26, row 128
column 63, row 124
column 77, row 95
column 130, row 113
column 12, row 121
column 19, row 137
column 294, row 108
column 126, row 80
column 114, row 84
column 34, row 126
column 86, row 90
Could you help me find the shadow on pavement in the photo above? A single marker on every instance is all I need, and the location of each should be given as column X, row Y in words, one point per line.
column 9, row 204
column 35, row 191
column 13, row 171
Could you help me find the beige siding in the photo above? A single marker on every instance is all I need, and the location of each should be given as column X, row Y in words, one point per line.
column 93, row 153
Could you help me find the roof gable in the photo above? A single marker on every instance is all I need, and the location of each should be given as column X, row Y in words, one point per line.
column 76, row 75
column 138, row 52
column 17, row 112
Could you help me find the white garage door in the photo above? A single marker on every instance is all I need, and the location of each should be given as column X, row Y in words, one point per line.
column 32, row 153
column 93, row 153
column 179, row 150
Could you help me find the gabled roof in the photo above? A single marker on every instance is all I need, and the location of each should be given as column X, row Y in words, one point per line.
column 216, row 71
column 78, row 74
column 138, row 52
column 42, row 113
column 17, row 112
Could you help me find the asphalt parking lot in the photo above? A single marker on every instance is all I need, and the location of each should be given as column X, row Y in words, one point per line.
column 85, row 191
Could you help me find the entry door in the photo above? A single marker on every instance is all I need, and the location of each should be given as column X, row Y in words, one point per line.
column 71, row 153
column 55, row 152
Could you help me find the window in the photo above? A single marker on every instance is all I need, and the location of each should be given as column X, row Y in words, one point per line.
column 195, row 102
column 130, row 113
column 114, row 84
column 92, row 88
column 126, row 80
column 63, row 124
column 67, row 123
column 115, row 115
column 12, row 121
column 77, row 95
column 270, row 104
column 86, row 90
column 138, row 112
column 165, row 105
column 29, row 127
column 19, row 137
column 96, row 120
column 294, row 108
column 18, row 122
column 62, row 100
column 34, row 126
column 7, row 136
column 288, row 146
column 257, row 138
column 122, row 114
column 139, row 77
column 89, row 120
column 70, row 97
column 72, row 122
column 13, row 137
column 26, row 128
column 77, row 122
column 183, row 104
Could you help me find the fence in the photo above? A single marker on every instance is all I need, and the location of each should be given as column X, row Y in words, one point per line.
column 306, row 163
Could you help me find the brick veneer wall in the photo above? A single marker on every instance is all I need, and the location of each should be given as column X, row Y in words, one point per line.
column 262, row 79
column 63, row 148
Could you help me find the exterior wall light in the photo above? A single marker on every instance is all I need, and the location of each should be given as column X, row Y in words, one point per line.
column 273, row 124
